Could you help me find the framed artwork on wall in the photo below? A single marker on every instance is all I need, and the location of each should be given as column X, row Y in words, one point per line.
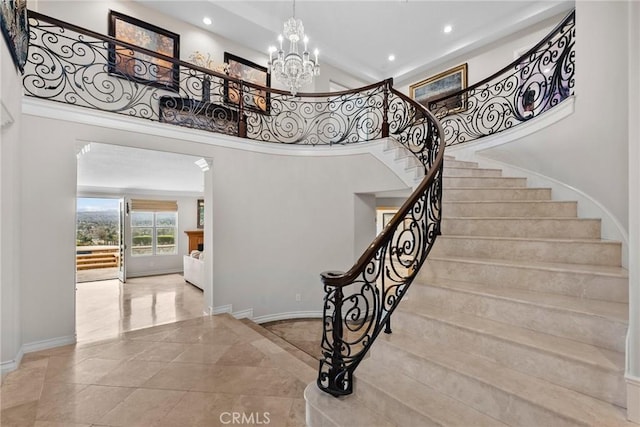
column 137, row 66
column 440, row 85
column 15, row 29
column 240, row 68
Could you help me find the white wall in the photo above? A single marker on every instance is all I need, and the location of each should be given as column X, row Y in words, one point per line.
column 633, row 344
column 10, row 239
column 487, row 60
column 588, row 150
column 278, row 220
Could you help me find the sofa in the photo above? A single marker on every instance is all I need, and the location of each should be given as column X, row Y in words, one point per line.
column 193, row 266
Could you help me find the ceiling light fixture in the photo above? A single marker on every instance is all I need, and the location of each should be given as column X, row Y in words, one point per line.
column 293, row 70
column 392, row 57
column 447, row 29
column 207, row 21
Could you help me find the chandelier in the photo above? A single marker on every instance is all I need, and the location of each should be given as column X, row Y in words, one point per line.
column 293, row 70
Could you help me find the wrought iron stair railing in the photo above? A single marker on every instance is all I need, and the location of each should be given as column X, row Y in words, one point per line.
column 535, row 82
column 75, row 66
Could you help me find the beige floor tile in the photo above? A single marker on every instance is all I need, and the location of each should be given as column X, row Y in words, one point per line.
column 243, row 355
column 131, row 373
column 15, row 394
column 57, row 424
column 21, row 415
column 198, row 409
column 88, row 371
column 247, row 380
column 180, row 376
column 186, row 373
column 161, row 352
column 106, row 309
column 143, row 407
column 201, row 353
column 87, row 405
column 297, row 414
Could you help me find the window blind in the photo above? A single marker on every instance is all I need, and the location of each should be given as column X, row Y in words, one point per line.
column 154, row 205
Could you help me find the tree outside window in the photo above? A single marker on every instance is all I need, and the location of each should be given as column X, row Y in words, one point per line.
column 154, row 233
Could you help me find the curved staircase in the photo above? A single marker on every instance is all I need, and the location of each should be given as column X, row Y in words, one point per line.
column 518, row 318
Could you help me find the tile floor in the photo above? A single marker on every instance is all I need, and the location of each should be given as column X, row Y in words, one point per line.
column 108, row 308
column 146, row 357
column 197, row 372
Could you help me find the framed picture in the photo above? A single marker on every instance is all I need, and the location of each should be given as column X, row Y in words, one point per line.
column 15, row 29
column 240, row 68
column 200, row 213
column 138, row 66
column 448, row 82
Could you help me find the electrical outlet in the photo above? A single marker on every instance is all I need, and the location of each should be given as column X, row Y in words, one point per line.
column 298, row 297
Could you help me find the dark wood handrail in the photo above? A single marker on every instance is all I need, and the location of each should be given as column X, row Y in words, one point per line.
column 340, row 280
column 517, row 61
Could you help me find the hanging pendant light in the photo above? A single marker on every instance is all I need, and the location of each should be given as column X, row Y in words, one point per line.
column 293, row 69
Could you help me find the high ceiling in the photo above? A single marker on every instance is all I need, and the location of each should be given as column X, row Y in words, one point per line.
column 356, row 36
column 359, row 36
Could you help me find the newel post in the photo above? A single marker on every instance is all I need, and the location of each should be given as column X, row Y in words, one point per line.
column 385, row 108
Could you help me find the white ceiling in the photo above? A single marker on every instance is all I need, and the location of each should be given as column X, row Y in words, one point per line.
column 358, row 36
column 117, row 169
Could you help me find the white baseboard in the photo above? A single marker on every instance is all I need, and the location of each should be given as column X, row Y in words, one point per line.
column 288, row 315
column 12, row 365
column 243, row 314
column 47, row 344
column 221, row 309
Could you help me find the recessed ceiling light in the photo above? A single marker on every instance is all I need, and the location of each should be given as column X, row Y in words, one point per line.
column 207, row 21
column 392, row 57
column 447, row 29
column 204, row 165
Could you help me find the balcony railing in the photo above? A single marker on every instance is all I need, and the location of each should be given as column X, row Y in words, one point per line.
column 535, row 82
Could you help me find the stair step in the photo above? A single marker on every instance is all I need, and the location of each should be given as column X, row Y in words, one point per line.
column 499, row 193
column 598, row 323
column 324, row 410
column 482, row 182
column 510, row 208
column 578, row 251
column 283, row 344
column 460, row 164
column 563, row 228
column 474, row 172
column 502, row 393
column 582, row 367
column 410, row 403
column 578, row 280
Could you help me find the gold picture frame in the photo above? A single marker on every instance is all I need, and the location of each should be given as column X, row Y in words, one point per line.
column 428, row 90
